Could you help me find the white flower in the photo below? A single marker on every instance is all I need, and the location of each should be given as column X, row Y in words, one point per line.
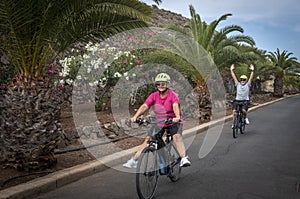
column 78, row 77
column 127, row 53
column 125, row 74
column 117, row 74
column 133, row 74
column 69, row 81
column 96, row 66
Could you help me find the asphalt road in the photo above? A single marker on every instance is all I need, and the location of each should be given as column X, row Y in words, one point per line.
column 264, row 163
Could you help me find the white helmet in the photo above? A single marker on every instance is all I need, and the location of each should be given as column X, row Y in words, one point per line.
column 162, row 77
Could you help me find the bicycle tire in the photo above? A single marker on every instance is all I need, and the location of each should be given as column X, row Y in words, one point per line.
column 244, row 127
column 147, row 173
column 235, row 126
column 174, row 166
column 242, row 124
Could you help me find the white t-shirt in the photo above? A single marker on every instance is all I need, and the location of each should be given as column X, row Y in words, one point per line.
column 242, row 91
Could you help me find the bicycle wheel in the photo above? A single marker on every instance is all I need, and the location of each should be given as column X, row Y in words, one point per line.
column 242, row 125
column 147, row 173
column 174, row 165
column 235, row 126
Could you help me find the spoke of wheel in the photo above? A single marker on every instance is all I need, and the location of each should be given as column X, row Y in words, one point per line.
column 146, row 176
column 175, row 169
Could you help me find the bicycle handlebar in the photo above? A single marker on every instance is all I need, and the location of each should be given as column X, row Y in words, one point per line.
column 141, row 121
column 239, row 102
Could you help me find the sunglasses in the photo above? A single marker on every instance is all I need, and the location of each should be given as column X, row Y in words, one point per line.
column 160, row 84
column 243, row 79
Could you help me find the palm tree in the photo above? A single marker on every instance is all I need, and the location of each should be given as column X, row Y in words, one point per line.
column 32, row 35
column 223, row 49
column 283, row 65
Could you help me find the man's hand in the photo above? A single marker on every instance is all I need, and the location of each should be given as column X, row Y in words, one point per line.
column 251, row 67
column 232, row 67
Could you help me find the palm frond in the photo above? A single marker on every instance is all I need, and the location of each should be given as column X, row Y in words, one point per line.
column 34, row 32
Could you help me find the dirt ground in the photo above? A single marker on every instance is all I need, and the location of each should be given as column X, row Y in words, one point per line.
column 11, row 177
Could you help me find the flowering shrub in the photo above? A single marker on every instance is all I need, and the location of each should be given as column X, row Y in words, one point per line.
column 103, row 65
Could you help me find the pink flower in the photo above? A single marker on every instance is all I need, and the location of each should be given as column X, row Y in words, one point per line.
column 60, row 86
column 4, row 86
column 138, row 62
column 50, row 71
column 131, row 39
column 51, row 66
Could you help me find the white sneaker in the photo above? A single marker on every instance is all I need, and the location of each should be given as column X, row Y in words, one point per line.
column 232, row 126
column 184, row 162
column 131, row 164
column 247, row 121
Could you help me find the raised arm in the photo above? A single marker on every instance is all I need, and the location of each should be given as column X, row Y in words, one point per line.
column 233, row 75
column 251, row 74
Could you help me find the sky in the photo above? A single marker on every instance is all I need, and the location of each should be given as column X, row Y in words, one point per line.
column 271, row 23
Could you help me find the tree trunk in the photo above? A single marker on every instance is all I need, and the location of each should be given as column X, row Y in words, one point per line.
column 278, row 86
column 256, row 86
column 30, row 124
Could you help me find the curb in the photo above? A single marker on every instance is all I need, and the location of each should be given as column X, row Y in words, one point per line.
column 60, row 178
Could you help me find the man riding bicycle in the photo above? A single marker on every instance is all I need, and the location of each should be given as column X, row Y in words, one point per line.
column 242, row 91
column 165, row 104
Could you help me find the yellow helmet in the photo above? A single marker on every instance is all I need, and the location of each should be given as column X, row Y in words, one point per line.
column 162, row 77
column 243, row 77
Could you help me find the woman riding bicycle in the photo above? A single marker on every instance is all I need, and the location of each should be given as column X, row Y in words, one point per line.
column 242, row 91
column 165, row 104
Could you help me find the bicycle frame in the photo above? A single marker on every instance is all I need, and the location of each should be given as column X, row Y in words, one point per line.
column 149, row 166
column 164, row 152
column 239, row 120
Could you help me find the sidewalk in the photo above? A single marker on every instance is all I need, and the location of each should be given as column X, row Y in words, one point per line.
column 58, row 179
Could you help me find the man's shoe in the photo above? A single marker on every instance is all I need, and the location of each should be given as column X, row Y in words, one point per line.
column 232, row 126
column 185, row 162
column 247, row 121
column 131, row 164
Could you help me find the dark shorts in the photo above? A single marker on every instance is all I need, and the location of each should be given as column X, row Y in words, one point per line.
column 174, row 129
column 244, row 105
